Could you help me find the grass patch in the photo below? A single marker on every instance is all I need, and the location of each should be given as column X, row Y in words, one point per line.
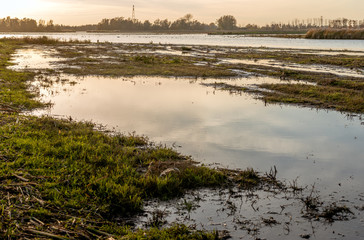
column 341, row 99
column 63, row 168
column 249, row 179
column 342, row 60
column 129, row 60
column 177, row 232
column 331, row 91
column 14, row 93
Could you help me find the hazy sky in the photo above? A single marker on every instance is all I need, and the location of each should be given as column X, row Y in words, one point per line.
column 77, row 12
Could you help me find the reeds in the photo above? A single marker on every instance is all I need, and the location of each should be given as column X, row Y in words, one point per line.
column 335, row 34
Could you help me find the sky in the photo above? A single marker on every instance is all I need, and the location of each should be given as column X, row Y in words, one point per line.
column 261, row 12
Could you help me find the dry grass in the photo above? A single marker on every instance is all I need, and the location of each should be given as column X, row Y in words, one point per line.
column 335, row 34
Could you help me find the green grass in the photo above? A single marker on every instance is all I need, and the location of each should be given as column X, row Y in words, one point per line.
column 70, row 166
column 177, row 232
column 14, row 93
column 330, row 92
column 330, row 97
column 82, row 59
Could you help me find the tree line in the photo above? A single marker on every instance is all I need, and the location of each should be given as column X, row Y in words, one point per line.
column 26, row 25
column 185, row 23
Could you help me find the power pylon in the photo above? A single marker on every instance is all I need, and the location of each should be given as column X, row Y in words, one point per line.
column 133, row 14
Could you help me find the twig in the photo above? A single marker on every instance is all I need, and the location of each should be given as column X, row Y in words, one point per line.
column 22, row 184
column 21, row 178
column 46, row 234
column 39, row 200
column 99, row 232
column 37, row 220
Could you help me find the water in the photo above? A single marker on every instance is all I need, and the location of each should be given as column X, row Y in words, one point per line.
column 204, row 39
column 236, row 131
column 316, row 147
column 339, row 71
column 229, row 129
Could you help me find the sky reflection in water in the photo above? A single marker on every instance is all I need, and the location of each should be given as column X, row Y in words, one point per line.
column 236, row 131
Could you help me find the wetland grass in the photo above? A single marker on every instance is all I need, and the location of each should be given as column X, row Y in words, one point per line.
column 14, row 93
column 331, row 91
column 61, row 168
column 342, row 60
column 329, row 97
column 84, row 60
column 335, row 34
column 328, row 90
column 62, row 179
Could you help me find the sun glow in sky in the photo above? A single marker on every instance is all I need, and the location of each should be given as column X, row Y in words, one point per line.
column 24, row 8
column 78, row 12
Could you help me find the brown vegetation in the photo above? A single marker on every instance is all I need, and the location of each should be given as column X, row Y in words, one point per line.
column 335, row 34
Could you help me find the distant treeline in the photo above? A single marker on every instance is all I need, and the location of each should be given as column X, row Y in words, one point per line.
column 25, row 25
column 335, row 34
column 30, row 25
column 185, row 23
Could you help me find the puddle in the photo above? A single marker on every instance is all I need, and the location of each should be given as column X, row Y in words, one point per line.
column 34, row 58
column 316, row 147
column 247, row 215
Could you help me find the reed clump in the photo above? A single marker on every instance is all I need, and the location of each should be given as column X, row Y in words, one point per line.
column 330, row 33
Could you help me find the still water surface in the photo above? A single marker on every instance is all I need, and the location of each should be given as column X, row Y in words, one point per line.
column 319, row 148
column 204, row 39
column 234, row 130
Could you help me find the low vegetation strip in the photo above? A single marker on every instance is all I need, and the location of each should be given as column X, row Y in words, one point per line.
column 335, row 34
column 51, row 169
column 326, row 90
column 81, row 60
column 340, row 99
column 14, row 94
